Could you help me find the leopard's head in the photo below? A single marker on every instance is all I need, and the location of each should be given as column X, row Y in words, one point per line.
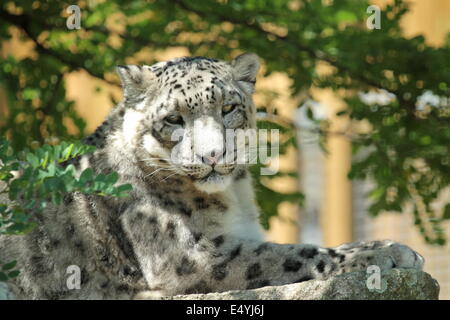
column 180, row 116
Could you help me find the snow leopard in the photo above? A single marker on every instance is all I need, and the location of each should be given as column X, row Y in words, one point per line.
column 186, row 227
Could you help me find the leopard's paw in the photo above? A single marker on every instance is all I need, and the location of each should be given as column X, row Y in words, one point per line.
column 384, row 254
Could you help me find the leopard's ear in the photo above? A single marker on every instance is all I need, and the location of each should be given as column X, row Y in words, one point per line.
column 136, row 80
column 245, row 69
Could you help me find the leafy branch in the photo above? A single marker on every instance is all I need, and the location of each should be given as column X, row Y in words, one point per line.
column 32, row 180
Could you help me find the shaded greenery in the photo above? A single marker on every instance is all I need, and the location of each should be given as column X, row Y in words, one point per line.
column 405, row 152
column 41, row 180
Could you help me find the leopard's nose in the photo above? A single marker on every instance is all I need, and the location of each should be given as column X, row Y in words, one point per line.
column 211, row 158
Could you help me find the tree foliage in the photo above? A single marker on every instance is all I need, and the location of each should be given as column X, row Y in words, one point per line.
column 405, row 152
column 39, row 180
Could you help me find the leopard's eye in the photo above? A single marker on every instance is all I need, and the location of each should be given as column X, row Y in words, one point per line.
column 228, row 108
column 174, row 119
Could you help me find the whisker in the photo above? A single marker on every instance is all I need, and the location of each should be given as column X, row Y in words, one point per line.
column 156, row 171
column 170, row 175
column 155, row 158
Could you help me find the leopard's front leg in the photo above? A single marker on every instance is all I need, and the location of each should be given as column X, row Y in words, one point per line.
column 175, row 259
column 254, row 264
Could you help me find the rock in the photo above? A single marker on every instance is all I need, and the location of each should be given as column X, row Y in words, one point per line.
column 5, row 294
column 396, row 284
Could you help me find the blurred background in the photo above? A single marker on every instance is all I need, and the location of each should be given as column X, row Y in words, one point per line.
column 347, row 98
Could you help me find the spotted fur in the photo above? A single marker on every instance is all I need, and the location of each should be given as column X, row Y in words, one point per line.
column 186, row 227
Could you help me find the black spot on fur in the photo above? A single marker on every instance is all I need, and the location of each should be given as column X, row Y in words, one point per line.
column 84, row 277
column 253, row 271
column 170, row 229
column 122, row 288
column 197, row 236
column 308, row 253
column 139, row 215
column 168, row 203
column 104, row 284
column 291, row 265
column 219, row 271
column 335, row 255
column 79, row 245
column 258, row 284
column 152, row 220
column 261, row 248
column 201, row 203
column 186, row 267
column 38, row 266
column 70, row 230
column 304, row 278
column 130, row 271
column 186, row 211
column 332, row 253
column 235, row 252
column 218, row 241
column 200, row 287
column 320, row 266
column 54, row 295
column 54, row 243
column 68, row 199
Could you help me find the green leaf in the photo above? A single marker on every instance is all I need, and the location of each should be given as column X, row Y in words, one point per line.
column 33, row 160
column 9, row 265
column 446, row 214
column 13, row 274
column 112, row 178
column 67, row 152
column 124, row 189
column 86, row 176
column 346, row 16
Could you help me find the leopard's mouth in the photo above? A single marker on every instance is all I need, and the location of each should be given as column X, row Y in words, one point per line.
column 219, row 171
column 213, row 174
column 204, row 174
column 213, row 182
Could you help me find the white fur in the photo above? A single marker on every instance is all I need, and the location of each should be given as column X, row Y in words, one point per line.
column 214, row 184
column 131, row 122
column 242, row 219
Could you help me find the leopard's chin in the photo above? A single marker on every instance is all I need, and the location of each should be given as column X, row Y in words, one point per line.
column 213, row 182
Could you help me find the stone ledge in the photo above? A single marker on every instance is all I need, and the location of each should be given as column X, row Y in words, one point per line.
column 396, row 284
